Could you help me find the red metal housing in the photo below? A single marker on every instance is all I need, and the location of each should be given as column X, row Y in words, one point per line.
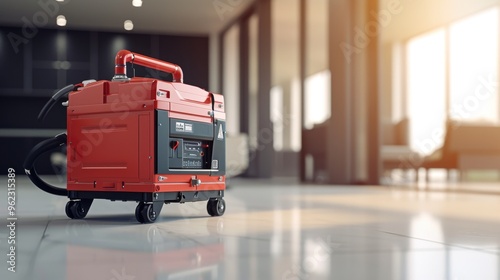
column 124, row 135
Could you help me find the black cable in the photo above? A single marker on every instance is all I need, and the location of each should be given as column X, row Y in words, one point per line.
column 60, row 93
column 29, row 164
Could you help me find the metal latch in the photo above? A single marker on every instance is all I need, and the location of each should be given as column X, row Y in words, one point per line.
column 195, row 182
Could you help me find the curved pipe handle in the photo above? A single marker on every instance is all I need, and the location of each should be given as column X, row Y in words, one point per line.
column 124, row 56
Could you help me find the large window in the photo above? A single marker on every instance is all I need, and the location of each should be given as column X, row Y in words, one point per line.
column 452, row 74
column 317, row 99
column 474, row 68
column 231, row 81
column 426, row 83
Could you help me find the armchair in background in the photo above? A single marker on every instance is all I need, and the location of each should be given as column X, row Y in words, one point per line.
column 395, row 152
column 467, row 146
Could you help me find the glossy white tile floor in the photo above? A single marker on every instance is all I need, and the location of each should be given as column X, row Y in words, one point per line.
column 270, row 231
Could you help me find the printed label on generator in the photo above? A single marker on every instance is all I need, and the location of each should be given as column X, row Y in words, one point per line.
column 183, row 127
column 179, row 126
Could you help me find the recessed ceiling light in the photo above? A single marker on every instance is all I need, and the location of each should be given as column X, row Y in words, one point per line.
column 60, row 0
column 128, row 25
column 137, row 3
column 61, row 20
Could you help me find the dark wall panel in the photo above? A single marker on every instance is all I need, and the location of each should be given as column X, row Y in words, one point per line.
column 11, row 61
column 22, row 112
column 78, row 45
column 190, row 54
column 45, row 45
column 44, row 79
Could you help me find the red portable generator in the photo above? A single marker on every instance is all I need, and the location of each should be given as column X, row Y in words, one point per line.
column 139, row 139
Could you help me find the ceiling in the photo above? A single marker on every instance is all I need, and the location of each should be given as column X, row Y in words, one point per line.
column 155, row 16
column 417, row 17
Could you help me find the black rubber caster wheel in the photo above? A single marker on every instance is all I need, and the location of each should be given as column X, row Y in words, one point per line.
column 69, row 212
column 216, row 207
column 138, row 210
column 209, row 208
column 78, row 209
column 147, row 213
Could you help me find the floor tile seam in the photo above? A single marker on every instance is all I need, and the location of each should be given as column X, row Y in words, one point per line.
column 443, row 243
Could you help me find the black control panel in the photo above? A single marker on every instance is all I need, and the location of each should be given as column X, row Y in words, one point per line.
column 183, row 146
column 188, row 153
column 192, row 154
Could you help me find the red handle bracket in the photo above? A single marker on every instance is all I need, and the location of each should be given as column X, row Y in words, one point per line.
column 124, row 56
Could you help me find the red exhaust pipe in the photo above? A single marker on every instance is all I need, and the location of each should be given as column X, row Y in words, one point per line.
column 124, row 56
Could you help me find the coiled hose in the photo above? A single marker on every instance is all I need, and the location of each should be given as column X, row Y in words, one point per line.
column 29, row 163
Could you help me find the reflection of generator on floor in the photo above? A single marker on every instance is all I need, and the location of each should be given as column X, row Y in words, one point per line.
column 139, row 139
